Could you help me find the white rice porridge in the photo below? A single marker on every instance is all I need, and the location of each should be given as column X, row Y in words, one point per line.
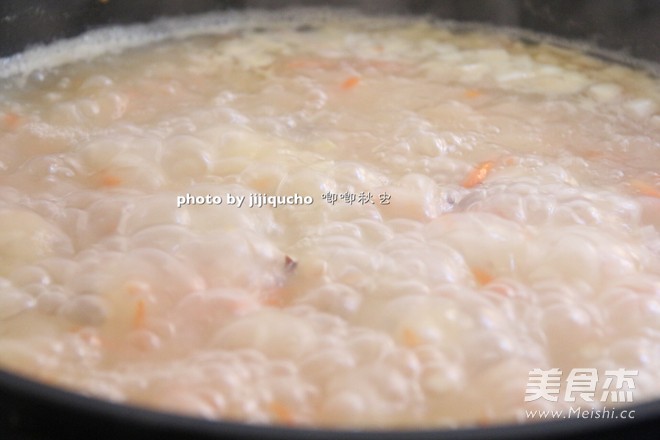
column 328, row 220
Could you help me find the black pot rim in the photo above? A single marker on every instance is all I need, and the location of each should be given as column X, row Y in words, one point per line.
column 44, row 402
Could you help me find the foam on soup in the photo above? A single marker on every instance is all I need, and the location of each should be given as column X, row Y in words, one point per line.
column 325, row 219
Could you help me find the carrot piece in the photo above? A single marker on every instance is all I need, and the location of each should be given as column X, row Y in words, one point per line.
column 282, row 413
column 472, row 93
column 593, row 154
column 140, row 314
column 478, row 175
column 110, row 180
column 411, row 338
column 12, row 120
column 351, row 82
column 482, row 276
column 645, row 189
column 273, row 300
column 484, row 422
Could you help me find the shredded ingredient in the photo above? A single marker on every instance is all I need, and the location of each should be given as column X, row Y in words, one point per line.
column 411, row 338
column 472, row 93
column 140, row 314
column 110, row 180
column 282, row 413
column 351, row 82
column 274, row 298
column 645, row 189
column 12, row 120
column 482, row 276
column 478, row 175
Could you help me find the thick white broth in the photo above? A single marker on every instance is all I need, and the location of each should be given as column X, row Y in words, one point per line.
column 513, row 223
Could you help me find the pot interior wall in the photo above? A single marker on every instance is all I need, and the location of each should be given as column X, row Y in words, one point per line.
column 630, row 27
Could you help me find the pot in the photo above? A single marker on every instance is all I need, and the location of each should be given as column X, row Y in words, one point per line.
column 30, row 410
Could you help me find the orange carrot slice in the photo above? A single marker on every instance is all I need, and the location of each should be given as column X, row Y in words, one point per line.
column 478, row 175
column 472, row 93
column 482, row 276
column 411, row 338
column 12, row 120
column 140, row 314
column 645, row 189
column 281, row 412
column 351, row 82
column 110, row 180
